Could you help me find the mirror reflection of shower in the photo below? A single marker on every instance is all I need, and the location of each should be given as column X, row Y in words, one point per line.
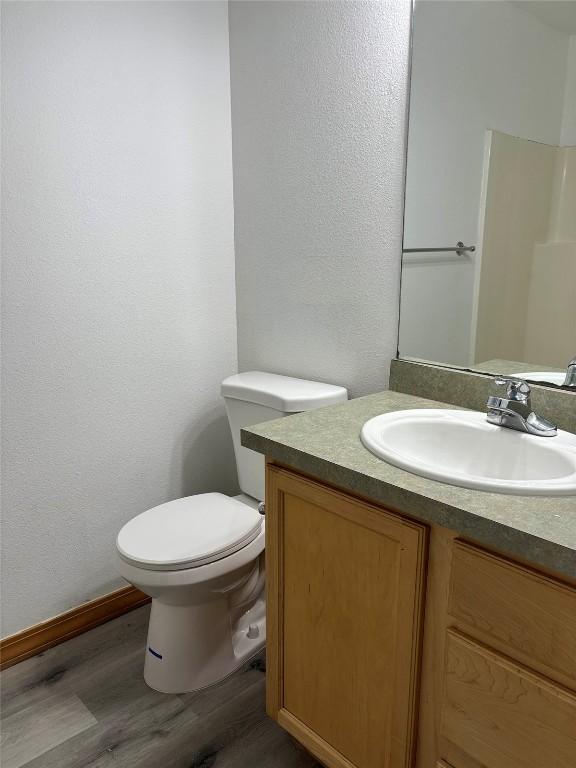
column 492, row 163
column 527, row 272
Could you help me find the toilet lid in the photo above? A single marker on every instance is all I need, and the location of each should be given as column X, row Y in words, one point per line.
column 188, row 532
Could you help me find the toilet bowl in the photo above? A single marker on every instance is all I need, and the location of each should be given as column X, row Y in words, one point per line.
column 209, row 598
column 201, row 558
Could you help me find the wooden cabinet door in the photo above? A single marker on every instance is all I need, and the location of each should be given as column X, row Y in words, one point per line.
column 345, row 581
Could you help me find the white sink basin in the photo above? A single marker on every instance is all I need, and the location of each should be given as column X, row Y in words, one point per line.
column 461, row 448
column 546, row 377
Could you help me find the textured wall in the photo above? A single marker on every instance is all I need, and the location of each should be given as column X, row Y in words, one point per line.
column 119, row 307
column 318, row 116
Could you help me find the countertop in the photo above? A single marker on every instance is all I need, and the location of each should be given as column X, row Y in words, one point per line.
column 325, row 443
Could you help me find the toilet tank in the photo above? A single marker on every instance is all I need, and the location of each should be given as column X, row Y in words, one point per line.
column 254, row 397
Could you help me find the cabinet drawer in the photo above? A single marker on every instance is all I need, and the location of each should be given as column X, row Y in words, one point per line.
column 503, row 715
column 528, row 615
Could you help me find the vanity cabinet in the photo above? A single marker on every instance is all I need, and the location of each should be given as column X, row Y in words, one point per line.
column 508, row 689
column 345, row 582
column 392, row 644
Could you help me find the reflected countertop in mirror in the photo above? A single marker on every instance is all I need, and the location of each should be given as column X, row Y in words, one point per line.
column 492, row 165
column 533, row 372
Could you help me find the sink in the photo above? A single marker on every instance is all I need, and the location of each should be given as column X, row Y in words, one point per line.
column 462, row 448
column 548, row 377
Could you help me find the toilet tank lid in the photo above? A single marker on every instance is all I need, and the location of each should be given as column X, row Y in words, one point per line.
column 283, row 393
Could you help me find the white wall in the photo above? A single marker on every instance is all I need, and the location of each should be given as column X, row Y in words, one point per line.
column 119, row 306
column 568, row 135
column 476, row 66
column 318, row 114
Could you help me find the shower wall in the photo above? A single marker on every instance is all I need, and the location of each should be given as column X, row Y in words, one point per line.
column 528, row 253
column 551, row 334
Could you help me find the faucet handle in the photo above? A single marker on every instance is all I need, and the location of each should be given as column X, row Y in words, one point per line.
column 515, row 410
column 516, row 388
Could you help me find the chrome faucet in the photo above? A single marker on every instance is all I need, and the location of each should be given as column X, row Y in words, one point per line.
column 514, row 411
column 570, row 380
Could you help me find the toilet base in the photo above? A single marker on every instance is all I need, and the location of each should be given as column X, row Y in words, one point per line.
column 193, row 647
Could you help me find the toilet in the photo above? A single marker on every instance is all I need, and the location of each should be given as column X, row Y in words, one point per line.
column 201, row 558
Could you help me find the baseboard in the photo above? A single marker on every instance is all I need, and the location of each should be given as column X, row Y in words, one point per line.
column 49, row 633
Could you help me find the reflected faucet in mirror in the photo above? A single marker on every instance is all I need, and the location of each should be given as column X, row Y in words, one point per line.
column 514, row 411
column 570, row 380
column 559, row 378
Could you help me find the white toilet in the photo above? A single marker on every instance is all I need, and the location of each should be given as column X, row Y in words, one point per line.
column 201, row 558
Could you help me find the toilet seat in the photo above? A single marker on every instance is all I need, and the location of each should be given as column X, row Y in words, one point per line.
column 188, row 532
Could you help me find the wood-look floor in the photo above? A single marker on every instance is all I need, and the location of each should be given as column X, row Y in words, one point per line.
column 84, row 704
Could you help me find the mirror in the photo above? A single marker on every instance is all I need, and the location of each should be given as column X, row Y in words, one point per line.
column 489, row 255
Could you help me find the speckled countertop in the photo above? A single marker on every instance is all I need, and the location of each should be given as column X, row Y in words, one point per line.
column 511, row 367
column 325, row 444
